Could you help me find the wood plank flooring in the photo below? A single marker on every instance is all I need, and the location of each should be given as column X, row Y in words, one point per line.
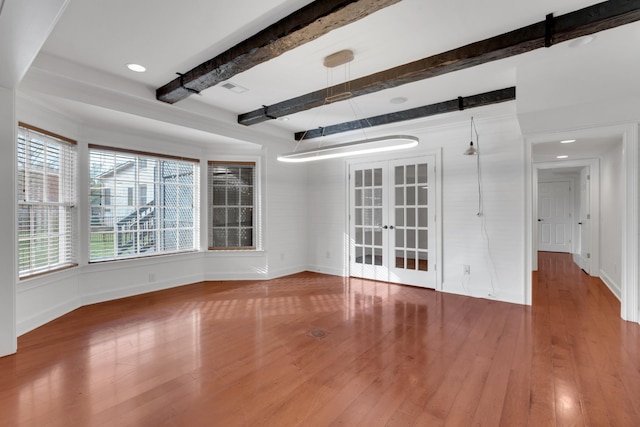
column 249, row 354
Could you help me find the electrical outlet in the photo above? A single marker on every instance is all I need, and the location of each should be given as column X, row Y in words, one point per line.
column 467, row 269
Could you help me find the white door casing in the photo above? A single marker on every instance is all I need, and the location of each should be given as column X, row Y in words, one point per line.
column 583, row 258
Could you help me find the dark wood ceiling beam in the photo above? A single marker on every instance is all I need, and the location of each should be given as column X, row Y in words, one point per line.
column 460, row 103
column 552, row 30
column 300, row 27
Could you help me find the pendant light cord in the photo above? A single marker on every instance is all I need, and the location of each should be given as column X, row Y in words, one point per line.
column 478, row 167
column 493, row 274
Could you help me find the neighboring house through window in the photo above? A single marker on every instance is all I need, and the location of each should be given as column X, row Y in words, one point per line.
column 46, row 201
column 152, row 208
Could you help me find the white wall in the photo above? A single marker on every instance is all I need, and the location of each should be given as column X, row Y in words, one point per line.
column 8, row 232
column 327, row 202
column 286, row 216
column 493, row 245
column 611, row 209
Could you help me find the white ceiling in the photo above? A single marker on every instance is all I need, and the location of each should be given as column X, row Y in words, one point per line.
column 586, row 147
column 168, row 37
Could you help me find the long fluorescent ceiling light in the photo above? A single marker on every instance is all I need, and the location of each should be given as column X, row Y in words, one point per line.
column 365, row 146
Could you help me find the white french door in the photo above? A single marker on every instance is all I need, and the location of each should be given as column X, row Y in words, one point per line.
column 392, row 221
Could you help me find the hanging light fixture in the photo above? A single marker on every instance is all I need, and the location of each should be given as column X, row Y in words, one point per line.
column 471, row 150
column 364, row 146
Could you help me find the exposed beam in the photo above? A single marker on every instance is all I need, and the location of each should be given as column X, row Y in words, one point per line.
column 302, row 26
column 460, row 103
column 552, row 30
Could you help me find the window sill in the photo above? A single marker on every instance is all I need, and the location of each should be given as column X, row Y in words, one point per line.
column 236, row 252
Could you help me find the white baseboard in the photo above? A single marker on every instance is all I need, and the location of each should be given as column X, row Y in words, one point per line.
column 486, row 293
column 326, row 270
column 39, row 319
column 274, row 274
column 234, row 276
column 224, row 276
column 144, row 288
column 611, row 284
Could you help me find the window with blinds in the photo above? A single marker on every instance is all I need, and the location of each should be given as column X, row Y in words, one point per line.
column 232, row 202
column 46, row 201
column 141, row 204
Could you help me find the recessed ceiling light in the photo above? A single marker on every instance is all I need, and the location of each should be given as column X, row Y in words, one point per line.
column 136, row 67
column 582, row 41
column 562, row 157
column 398, row 100
column 567, row 141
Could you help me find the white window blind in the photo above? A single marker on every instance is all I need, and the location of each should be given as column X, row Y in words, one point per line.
column 141, row 204
column 46, row 201
column 232, row 205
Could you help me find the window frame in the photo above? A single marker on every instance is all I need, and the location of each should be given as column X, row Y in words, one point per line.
column 67, row 176
column 255, row 206
column 140, row 163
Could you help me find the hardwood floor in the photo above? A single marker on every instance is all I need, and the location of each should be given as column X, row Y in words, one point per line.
column 314, row 350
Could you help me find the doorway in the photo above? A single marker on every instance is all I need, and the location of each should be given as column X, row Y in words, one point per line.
column 629, row 289
column 392, row 224
column 578, row 214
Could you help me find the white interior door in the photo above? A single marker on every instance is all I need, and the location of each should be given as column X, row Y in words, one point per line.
column 392, row 221
column 584, row 221
column 554, row 216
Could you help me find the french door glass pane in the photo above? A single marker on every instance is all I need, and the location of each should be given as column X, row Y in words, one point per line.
column 368, row 198
column 411, row 222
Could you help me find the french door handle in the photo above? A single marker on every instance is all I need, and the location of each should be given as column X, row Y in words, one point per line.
column 384, row 226
column 391, row 227
column 579, row 223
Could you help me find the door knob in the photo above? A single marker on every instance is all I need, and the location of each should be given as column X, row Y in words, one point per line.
column 385, row 227
column 579, row 223
column 539, row 220
column 391, row 227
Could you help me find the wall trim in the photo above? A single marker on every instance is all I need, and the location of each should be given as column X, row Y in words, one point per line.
column 113, row 294
column 629, row 267
column 327, row 270
column 614, row 287
column 46, row 316
column 274, row 274
column 233, row 277
column 502, row 297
